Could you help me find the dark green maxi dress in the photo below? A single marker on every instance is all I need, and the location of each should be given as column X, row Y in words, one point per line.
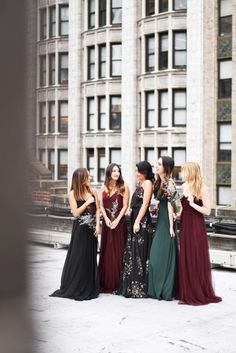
column 163, row 254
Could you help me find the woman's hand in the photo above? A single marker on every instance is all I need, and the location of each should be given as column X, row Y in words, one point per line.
column 97, row 231
column 90, row 200
column 128, row 212
column 108, row 222
column 172, row 233
column 114, row 224
column 136, row 227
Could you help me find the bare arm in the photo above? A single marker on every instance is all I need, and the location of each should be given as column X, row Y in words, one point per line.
column 206, row 207
column 147, row 187
column 124, row 208
column 97, row 229
column 103, row 211
column 171, row 219
column 77, row 211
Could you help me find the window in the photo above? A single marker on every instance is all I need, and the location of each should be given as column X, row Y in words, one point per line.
column 52, row 69
column 116, row 11
column 224, row 195
column 101, row 164
column 102, row 61
column 91, row 114
column 42, row 118
column 42, row 156
column 225, row 142
column 91, row 63
column 115, row 112
column 51, row 161
column 102, row 13
column 150, row 156
column 62, row 164
column 116, row 59
column 150, row 110
column 63, row 117
column 179, row 4
column 162, row 151
column 163, row 108
column 63, row 68
column 225, row 78
column 225, row 17
column 52, row 21
column 91, row 14
column 43, row 70
column 163, row 6
column 163, row 51
column 64, row 20
column 150, row 53
column 179, row 107
column 90, row 162
column 179, row 156
column 51, row 122
column 115, row 156
column 43, row 23
column 150, row 7
column 101, row 113
column 180, row 50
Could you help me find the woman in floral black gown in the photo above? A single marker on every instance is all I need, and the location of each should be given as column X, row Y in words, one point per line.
column 133, row 281
column 79, row 279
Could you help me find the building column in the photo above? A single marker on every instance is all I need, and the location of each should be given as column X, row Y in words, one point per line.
column 74, row 96
column 129, row 91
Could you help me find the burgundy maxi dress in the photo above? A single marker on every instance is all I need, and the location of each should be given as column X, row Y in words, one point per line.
column 113, row 243
column 195, row 282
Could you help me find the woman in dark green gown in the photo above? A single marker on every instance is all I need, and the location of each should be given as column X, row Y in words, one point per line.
column 164, row 250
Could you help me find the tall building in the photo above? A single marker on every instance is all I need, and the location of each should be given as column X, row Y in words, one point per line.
column 122, row 81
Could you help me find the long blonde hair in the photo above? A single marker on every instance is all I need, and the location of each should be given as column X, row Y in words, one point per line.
column 191, row 172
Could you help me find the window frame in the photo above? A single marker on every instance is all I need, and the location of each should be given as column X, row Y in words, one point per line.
column 149, row 53
column 111, row 12
column 101, row 152
column 91, row 64
column 174, row 109
column 42, row 70
column 100, row 61
column 59, row 164
column 102, row 13
column 115, row 60
column 110, row 112
column 225, row 81
column 52, row 69
column 219, row 143
column 147, row 110
column 160, row 108
column 61, row 6
column 161, row 6
column 42, row 119
column 179, row 50
column 66, row 69
column 43, row 23
column 89, row 114
column 100, row 98
column 91, row 15
column 163, row 55
column 51, row 118
column 178, row 9
column 149, row 8
column 52, row 21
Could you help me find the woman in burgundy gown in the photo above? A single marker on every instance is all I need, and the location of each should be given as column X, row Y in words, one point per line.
column 195, row 282
column 114, row 203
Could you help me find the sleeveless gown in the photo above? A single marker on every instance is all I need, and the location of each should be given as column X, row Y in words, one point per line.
column 112, row 245
column 133, row 281
column 163, row 258
column 195, row 282
column 79, row 279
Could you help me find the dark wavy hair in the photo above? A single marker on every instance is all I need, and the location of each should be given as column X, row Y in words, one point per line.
column 80, row 184
column 145, row 168
column 120, row 184
column 168, row 166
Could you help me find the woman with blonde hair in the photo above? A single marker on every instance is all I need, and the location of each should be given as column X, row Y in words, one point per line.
column 79, row 279
column 195, row 282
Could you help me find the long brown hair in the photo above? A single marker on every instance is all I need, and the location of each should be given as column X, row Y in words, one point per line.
column 192, row 175
column 168, row 166
column 120, row 184
column 80, row 184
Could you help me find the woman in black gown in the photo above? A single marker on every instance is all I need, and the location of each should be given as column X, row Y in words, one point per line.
column 80, row 279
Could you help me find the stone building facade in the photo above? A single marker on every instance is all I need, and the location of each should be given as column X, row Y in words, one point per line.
column 123, row 81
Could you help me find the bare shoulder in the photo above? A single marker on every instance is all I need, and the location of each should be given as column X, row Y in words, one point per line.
column 71, row 194
column 147, row 184
column 126, row 186
column 94, row 191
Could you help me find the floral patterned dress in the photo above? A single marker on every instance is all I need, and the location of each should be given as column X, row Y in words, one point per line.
column 164, row 251
column 112, row 244
column 80, row 279
column 133, row 281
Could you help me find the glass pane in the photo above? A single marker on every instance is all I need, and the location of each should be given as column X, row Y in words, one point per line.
column 224, row 195
column 162, row 152
column 150, row 157
column 91, row 55
column 92, row 5
column 225, row 69
column 103, row 53
column 116, row 68
column 43, row 157
column 103, row 70
column 180, row 4
column 150, row 101
column 116, row 3
column 116, row 16
column 115, row 156
column 91, row 71
column 63, row 157
column 64, row 61
column 64, row 109
column 64, row 28
column 102, row 161
column 180, row 99
column 163, row 5
column 91, row 103
column 151, row 118
column 180, row 117
column 64, row 13
column 52, row 109
column 180, row 58
column 43, row 110
column 151, row 45
column 164, row 100
column 150, row 7
column 179, row 157
column 226, row 133
column 164, row 117
column 164, row 42
column 180, row 41
column 116, row 51
column 226, row 7
column 225, row 25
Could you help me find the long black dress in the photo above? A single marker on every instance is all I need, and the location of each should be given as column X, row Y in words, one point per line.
column 80, row 279
column 133, row 281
